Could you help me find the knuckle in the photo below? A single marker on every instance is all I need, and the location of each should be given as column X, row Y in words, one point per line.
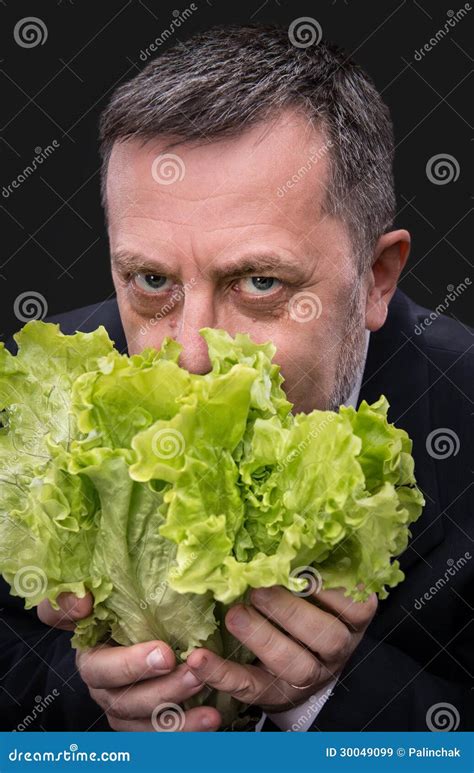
column 100, row 697
column 127, row 668
column 117, row 708
column 114, row 722
column 267, row 640
column 246, row 687
column 309, row 674
column 341, row 644
column 85, row 664
column 360, row 614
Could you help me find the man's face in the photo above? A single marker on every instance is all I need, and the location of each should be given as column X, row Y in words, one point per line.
column 234, row 245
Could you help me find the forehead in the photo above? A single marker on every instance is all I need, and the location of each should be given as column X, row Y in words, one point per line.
column 271, row 177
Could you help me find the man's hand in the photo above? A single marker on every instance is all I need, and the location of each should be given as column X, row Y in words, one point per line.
column 131, row 684
column 314, row 648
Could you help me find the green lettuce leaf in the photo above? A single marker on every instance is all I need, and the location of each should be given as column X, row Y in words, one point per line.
column 168, row 494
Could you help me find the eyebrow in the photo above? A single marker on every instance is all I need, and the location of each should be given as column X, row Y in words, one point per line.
column 244, row 266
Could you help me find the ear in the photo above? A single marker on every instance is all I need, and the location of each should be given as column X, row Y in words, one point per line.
column 390, row 255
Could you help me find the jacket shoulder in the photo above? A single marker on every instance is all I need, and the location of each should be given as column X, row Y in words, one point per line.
column 433, row 328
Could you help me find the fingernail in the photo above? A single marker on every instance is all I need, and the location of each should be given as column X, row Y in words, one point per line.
column 241, row 618
column 156, row 659
column 189, row 680
column 207, row 722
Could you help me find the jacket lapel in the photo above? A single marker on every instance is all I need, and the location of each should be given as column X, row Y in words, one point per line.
column 395, row 368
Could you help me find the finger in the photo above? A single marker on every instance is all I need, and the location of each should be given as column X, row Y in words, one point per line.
column 247, row 683
column 355, row 614
column 71, row 609
column 320, row 631
column 202, row 719
column 282, row 656
column 105, row 667
column 140, row 700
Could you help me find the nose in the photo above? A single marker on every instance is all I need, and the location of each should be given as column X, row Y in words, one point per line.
column 197, row 311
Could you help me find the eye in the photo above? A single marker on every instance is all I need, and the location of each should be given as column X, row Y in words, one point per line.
column 260, row 285
column 152, row 283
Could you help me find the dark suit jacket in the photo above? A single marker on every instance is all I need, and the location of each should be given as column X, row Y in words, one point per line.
column 419, row 649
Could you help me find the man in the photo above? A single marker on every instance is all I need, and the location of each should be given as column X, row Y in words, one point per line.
column 247, row 184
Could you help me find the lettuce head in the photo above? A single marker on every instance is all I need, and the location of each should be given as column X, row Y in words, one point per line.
column 168, row 495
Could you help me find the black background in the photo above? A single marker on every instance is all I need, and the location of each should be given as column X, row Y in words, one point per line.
column 53, row 239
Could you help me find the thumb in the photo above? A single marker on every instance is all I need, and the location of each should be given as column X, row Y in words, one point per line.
column 71, row 609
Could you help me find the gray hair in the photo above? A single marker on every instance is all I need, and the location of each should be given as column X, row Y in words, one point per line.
column 227, row 79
